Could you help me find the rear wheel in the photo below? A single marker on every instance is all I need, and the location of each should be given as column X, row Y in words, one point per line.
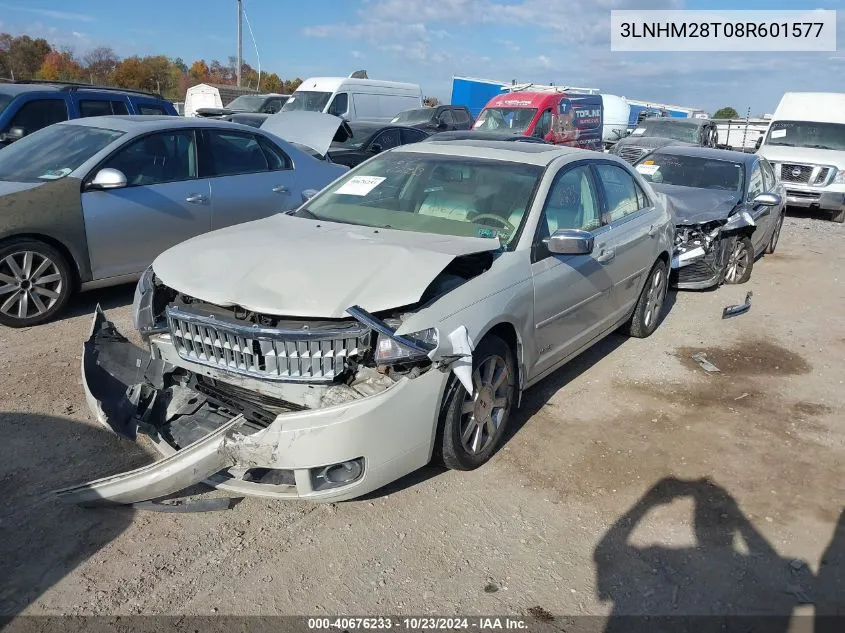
column 773, row 241
column 740, row 261
column 35, row 283
column 472, row 426
column 649, row 307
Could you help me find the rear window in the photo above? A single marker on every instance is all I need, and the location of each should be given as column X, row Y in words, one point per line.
column 145, row 108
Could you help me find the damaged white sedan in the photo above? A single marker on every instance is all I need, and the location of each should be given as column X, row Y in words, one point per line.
column 396, row 317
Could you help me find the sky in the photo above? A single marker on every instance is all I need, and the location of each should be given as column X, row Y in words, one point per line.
column 565, row 42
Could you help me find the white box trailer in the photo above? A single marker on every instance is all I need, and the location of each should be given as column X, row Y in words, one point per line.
column 211, row 96
column 741, row 134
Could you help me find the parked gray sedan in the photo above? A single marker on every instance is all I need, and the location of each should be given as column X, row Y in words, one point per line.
column 91, row 202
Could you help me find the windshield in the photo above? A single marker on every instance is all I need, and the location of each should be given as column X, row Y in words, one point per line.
column 425, row 193
column 4, row 101
column 53, row 152
column 247, row 103
column 505, row 120
column 306, row 100
column 668, row 129
column 807, row 134
column 692, row 171
column 420, row 115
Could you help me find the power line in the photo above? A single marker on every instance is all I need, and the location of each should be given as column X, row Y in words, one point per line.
column 255, row 45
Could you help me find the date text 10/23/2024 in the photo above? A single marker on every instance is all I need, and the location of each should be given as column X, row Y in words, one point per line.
column 480, row 623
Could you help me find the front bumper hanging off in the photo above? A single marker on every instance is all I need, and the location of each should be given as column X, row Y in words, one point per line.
column 374, row 439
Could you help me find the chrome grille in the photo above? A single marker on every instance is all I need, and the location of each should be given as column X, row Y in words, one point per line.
column 631, row 154
column 804, row 174
column 317, row 355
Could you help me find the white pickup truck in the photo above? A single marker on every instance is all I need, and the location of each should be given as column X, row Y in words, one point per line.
column 805, row 144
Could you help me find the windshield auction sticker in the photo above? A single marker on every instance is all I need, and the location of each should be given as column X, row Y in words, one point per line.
column 709, row 31
column 359, row 185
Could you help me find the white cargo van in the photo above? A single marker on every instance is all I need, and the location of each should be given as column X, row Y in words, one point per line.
column 355, row 99
column 805, row 143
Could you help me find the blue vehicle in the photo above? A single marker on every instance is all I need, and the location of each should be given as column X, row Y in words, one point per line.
column 28, row 106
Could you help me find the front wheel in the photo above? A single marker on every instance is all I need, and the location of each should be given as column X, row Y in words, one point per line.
column 472, row 426
column 649, row 306
column 740, row 261
column 773, row 241
column 35, row 283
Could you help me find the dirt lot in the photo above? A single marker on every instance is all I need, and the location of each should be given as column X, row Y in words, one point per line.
column 578, row 514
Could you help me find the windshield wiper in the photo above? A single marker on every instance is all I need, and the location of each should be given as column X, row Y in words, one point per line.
column 783, row 144
column 818, row 147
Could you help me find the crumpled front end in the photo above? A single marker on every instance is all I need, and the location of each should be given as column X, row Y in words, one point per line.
column 257, row 410
column 702, row 250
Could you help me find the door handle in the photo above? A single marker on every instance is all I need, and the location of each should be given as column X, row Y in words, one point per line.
column 652, row 230
column 281, row 189
column 605, row 255
column 196, row 198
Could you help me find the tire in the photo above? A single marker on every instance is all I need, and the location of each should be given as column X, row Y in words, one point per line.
column 838, row 216
column 458, row 421
column 27, row 300
column 773, row 240
column 647, row 312
column 740, row 261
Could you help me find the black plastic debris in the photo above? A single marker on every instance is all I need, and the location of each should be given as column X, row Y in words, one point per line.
column 735, row 310
column 214, row 504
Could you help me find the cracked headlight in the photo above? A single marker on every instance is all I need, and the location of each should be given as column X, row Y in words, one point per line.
column 142, row 306
column 406, row 348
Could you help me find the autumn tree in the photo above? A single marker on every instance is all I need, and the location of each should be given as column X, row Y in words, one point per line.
column 130, row 74
column 21, row 57
column 60, row 66
column 100, row 63
column 199, row 72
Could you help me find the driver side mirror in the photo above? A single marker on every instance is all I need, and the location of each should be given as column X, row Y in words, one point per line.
column 107, row 178
column 571, row 242
column 768, row 199
column 14, row 134
column 375, row 148
column 758, row 143
column 307, row 194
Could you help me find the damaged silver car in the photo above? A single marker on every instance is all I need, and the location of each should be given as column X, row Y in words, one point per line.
column 397, row 316
column 729, row 209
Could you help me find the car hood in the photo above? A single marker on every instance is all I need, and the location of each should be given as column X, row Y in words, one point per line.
column 15, row 187
column 808, row 155
column 649, row 141
column 289, row 266
column 697, row 206
column 314, row 129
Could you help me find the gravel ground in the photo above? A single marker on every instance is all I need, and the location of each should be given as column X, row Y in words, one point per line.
column 632, row 482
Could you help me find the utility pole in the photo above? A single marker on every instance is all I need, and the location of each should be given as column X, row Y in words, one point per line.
column 240, row 43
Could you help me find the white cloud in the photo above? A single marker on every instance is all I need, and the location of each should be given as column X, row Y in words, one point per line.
column 358, row 55
column 49, row 13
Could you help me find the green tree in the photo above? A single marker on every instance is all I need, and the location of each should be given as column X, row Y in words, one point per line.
column 726, row 113
column 21, row 57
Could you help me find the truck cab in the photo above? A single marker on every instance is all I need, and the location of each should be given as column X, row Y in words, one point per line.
column 558, row 117
column 805, row 144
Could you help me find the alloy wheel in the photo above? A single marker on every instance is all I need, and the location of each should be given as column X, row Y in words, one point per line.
column 655, row 297
column 483, row 412
column 738, row 262
column 30, row 284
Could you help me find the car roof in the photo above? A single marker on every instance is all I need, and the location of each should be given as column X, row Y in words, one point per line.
column 531, row 153
column 21, row 88
column 705, row 152
column 146, row 122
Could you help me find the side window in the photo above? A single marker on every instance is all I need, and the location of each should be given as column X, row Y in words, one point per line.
column 461, row 116
column 620, row 190
column 233, row 153
column 340, row 104
column 447, row 118
column 387, row 139
column 571, row 204
column 157, row 158
column 412, row 136
column 34, row 115
column 642, row 198
column 755, row 182
column 273, row 105
column 769, row 180
column 146, row 108
column 544, row 124
column 275, row 156
column 99, row 107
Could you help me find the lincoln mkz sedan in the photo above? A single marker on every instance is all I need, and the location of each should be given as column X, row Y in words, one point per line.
column 396, row 317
